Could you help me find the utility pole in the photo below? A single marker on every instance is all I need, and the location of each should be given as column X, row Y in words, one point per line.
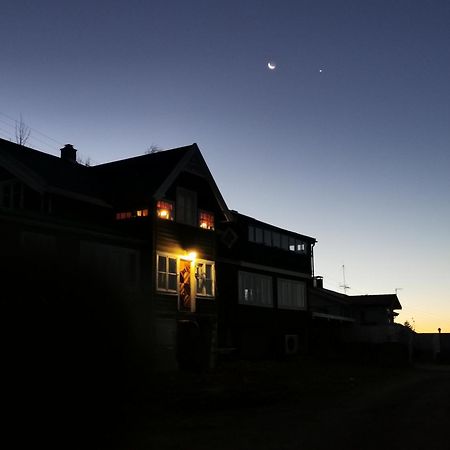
column 344, row 286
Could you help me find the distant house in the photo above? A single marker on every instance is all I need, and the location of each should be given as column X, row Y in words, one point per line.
column 263, row 275
column 338, row 319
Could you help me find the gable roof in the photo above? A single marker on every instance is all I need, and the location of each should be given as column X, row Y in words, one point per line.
column 151, row 175
column 141, row 177
column 48, row 173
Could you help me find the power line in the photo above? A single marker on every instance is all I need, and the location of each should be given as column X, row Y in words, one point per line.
column 34, row 130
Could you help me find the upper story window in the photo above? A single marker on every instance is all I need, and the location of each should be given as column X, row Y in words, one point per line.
column 275, row 239
column 206, row 220
column 131, row 214
column 186, row 207
column 165, row 209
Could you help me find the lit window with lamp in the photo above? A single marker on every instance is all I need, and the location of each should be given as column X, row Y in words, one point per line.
column 205, row 278
column 206, row 220
column 165, row 210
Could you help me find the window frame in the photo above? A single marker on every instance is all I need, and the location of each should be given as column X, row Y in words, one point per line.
column 167, row 272
column 252, row 281
column 209, row 215
column 171, row 209
column 289, row 285
column 184, row 215
column 212, row 279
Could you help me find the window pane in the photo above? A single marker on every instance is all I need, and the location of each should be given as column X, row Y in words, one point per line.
column 251, row 233
column 255, row 289
column 172, row 285
column 291, row 294
column 172, row 265
column 162, row 264
column 258, row 235
column 268, row 238
column 276, row 239
column 208, row 287
column 162, row 280
column 284, row 242
column 291, row 244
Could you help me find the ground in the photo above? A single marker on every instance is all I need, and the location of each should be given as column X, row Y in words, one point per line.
column 293, row 404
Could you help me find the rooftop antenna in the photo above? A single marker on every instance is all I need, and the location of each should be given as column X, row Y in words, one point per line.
column 344, row 286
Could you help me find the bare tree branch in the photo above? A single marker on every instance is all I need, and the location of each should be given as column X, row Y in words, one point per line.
column 23, row 131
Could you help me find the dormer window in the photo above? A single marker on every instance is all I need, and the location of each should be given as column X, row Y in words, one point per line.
column 206, row 220
column 165, row 210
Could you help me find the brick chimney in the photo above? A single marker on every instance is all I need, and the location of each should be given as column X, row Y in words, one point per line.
column 68, row 153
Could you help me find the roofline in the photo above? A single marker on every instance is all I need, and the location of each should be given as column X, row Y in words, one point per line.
column 182, row 164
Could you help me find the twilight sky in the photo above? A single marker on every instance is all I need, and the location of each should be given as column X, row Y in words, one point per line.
column 347, row 140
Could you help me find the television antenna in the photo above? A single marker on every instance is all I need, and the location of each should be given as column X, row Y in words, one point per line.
column 344, row 286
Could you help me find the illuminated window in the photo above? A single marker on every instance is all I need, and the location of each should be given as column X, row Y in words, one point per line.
column 164, row 209
column 166, row 273
column 130, row 214
column 142, row 213
column 205, row 278
column 300, row 247
column 206, row 220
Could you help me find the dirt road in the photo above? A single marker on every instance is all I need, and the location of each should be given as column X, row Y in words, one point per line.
column 410, row 410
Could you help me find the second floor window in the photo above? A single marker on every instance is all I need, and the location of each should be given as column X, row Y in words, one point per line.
column 206, row 220
column 164, row 210
column 186, row 207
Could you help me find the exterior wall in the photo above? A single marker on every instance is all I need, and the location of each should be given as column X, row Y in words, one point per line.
column 68, row 316
column 186, row 339
column 260, row 331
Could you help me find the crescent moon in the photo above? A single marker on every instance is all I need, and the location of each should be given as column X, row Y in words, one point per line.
column 271, row 65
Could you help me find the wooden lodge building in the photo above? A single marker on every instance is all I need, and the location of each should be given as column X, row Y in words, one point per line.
column 141, row 258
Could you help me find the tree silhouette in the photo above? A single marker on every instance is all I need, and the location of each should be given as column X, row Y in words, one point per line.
column 23, row 131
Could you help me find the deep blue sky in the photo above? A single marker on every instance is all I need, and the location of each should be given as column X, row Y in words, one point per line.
column 356, row 155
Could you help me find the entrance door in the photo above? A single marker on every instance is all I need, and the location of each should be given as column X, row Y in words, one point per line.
column 185, row 301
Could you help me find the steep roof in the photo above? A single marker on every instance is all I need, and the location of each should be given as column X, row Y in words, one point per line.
column 140, row 178
column 48, row 173
column 149, row 176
